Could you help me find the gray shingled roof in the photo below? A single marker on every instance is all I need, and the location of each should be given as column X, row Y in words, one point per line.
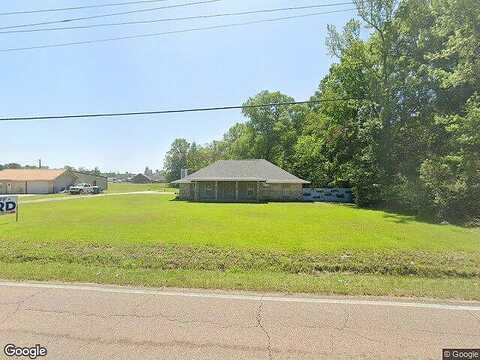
column 158, row 177
column 242, row 170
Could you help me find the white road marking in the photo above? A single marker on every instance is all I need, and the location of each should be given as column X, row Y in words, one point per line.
column 245, row 297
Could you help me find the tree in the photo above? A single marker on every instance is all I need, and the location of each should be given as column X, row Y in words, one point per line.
column 176, row 159
column 238, row 142
column 452, row 180
column 405, row 134
column 271, row 131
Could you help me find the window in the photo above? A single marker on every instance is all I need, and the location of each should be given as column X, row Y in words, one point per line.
column 209, row 190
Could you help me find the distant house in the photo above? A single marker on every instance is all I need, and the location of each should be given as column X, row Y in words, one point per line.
column 45, row 181
column 157, row 177
column 141, row 179
column 241, row 180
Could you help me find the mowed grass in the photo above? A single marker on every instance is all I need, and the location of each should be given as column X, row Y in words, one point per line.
column 130, row 187
column 153, row 240
column 158, row 219
column 112, row 189
column 38, row 197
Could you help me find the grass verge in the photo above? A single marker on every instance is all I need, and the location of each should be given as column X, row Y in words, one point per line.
column 347, row 284
column 206, row 258
column 435, row 275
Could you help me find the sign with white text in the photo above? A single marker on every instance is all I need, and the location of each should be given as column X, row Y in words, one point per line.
column 8, row 205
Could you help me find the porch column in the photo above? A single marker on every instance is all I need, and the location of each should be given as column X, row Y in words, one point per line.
column 236, row 190
column 216, row 190
column 195, row 197
column 258, row 191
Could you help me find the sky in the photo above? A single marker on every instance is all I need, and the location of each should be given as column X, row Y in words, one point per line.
column 219, row 67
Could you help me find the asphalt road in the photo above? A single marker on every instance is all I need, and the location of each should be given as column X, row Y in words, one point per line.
column 98, row 322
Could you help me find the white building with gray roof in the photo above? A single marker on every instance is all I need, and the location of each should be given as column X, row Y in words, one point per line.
column 240, row 181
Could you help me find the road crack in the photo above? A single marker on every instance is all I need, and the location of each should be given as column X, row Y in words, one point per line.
column 135, row 315
column 260, row 324
column 19, row 305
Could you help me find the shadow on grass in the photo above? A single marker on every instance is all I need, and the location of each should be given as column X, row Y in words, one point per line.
column 218, row 201
column 389, row 214
column 392, row 215
column 234, row 202
column 403, row 217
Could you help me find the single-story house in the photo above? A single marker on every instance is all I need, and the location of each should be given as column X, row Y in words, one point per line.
column 141, row 179
column 45, row 181
column 159, row 178
column 241, row 180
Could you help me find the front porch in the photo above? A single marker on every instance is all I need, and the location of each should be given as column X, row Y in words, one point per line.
column 222, row 191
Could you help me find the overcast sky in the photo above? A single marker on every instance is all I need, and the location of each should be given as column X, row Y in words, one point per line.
column 209, row 68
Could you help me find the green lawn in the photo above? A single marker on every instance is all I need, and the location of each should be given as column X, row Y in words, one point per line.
column 313, row 247
column 129, row 187
column 153, row 220
column 112, row 188
column 38, row 197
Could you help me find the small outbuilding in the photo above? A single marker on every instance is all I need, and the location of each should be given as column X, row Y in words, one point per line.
column 241, row 181
column 44, row 181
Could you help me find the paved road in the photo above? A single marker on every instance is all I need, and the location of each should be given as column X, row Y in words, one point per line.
column 75, row 197
column 94, row 322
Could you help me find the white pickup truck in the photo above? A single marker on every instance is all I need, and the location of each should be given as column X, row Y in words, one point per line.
column 83, row 188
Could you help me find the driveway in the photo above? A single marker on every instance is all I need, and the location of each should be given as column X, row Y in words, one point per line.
column 107, row 322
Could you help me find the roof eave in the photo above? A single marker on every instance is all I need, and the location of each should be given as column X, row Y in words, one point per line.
column 299, row 181
column 273, row 181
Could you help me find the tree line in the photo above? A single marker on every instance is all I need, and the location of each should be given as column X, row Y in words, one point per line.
column 409, row 137
column 16, row 166
column 95, row 171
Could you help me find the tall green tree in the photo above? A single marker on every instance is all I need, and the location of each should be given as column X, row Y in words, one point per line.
column 271, row 131
column 405, row 134
column 176, row 159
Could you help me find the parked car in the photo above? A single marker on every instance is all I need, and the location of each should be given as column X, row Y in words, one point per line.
column 84, row 188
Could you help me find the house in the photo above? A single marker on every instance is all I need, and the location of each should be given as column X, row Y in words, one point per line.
column 44, row 181
column 158, row 177
column 241, row 180
column 141, row 179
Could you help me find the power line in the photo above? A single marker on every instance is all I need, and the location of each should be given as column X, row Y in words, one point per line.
column 175, row 111
column 21, row 12
column 109, row 15
column 85, row 42
column 261, row 11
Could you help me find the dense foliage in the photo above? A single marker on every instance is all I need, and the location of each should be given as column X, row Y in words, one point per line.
column 15, row 166
column 407, row 138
